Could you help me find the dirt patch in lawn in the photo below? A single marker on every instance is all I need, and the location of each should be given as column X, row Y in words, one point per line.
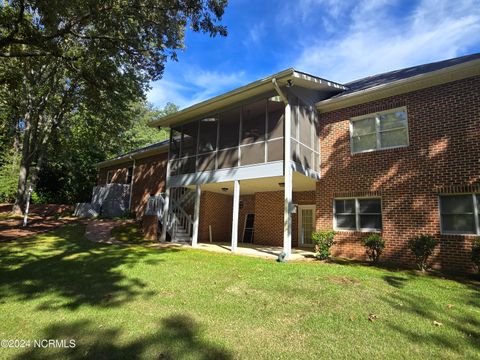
column 42, row 218
column 343, row 280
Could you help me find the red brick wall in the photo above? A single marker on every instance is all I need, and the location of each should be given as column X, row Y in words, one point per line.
column 248, row 202
column 148, row 178
column 444, row 152
column 268, row 227
column 215, row 210
column 269, row 216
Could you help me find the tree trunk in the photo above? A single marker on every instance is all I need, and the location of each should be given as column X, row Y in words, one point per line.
column 20, row 201
column 25, row 162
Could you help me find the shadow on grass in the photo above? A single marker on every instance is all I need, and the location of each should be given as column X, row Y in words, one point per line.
column 177, row 337
column 63, row 263
column 450, row 318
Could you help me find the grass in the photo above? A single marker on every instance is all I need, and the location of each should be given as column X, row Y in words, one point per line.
column 130, row 233
column 134, row 302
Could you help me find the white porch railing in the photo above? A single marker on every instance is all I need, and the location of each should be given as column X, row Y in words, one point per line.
column 178, row 222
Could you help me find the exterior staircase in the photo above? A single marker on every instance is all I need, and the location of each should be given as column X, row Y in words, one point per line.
column 179, row 220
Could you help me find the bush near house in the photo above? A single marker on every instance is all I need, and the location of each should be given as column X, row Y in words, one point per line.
column 476, row 253
column 323, row 240
column 374, row 246
column 422, row 247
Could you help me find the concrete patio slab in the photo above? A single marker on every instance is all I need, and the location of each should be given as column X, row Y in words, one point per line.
column 267, row 252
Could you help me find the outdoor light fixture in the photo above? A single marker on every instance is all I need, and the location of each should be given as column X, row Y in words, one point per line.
column 289, row 83
column 224, row 189
column 282, row 184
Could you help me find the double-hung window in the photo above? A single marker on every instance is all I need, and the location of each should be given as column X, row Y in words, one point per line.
column 383, row 130
column 460, row 214
column 360, row 214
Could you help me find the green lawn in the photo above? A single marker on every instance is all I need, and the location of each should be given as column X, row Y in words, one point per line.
column 135, row 302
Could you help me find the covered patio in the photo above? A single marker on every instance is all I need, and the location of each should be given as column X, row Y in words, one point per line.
column 261, row 251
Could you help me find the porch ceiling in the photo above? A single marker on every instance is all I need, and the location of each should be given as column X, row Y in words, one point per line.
column 251, row 186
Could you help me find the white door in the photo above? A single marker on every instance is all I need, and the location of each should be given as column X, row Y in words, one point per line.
column 306, row 222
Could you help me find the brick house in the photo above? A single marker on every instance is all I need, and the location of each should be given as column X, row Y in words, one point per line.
column 267, row 163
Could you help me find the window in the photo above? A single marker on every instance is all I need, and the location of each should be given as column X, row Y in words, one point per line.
column 358, row 214
column 460, row 214
column 109, row 176
column 129, row 175
column 385, row 130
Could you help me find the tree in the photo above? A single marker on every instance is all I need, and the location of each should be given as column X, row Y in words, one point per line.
column 141, row 134
column 67, row 176
column 71, row 57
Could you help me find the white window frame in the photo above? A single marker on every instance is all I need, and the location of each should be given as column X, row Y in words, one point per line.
column 128, row 170
column 377, row 115
column 357, row 214
column 109, row 175
column 476, row 214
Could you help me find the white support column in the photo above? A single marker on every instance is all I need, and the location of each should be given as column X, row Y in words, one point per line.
column 287, row 218
column 166, row 205
column 236, row 206
column 196, row 215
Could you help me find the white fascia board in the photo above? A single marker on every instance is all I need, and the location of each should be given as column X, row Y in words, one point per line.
column 222, row 175
column 245, row 92
column 136, row 155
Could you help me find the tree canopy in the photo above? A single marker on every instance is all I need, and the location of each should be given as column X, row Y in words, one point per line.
column 70, row 69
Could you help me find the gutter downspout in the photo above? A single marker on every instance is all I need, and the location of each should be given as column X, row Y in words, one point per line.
column 131, row 185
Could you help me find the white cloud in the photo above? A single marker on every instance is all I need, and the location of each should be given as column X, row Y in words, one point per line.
column 164, row 91
column 193, row 85
column 376, row 41
column 255, row 34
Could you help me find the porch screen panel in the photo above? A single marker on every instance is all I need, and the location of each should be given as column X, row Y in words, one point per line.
column 229, row 129
column 189, row 139
column 295, row 151
column 227, row 158
column 305, row 135
column 275, row 150
column 206, row 162
column 252, row 154
column 306, row 155
column 306, row 138
column 253, row 122
column 276, row 112
column 207, row 141
column 175, row 140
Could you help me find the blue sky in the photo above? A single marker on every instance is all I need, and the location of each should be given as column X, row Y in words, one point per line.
column 334, row 39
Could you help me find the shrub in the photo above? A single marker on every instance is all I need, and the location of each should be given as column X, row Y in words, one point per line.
column 375, row 245
column 422, row 247
column 476, row 253
column 323, row 241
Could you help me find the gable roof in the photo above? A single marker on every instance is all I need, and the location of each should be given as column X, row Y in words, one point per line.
column 391, row 76
column 142, row 152
column 403, row 80
column 250, row 90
